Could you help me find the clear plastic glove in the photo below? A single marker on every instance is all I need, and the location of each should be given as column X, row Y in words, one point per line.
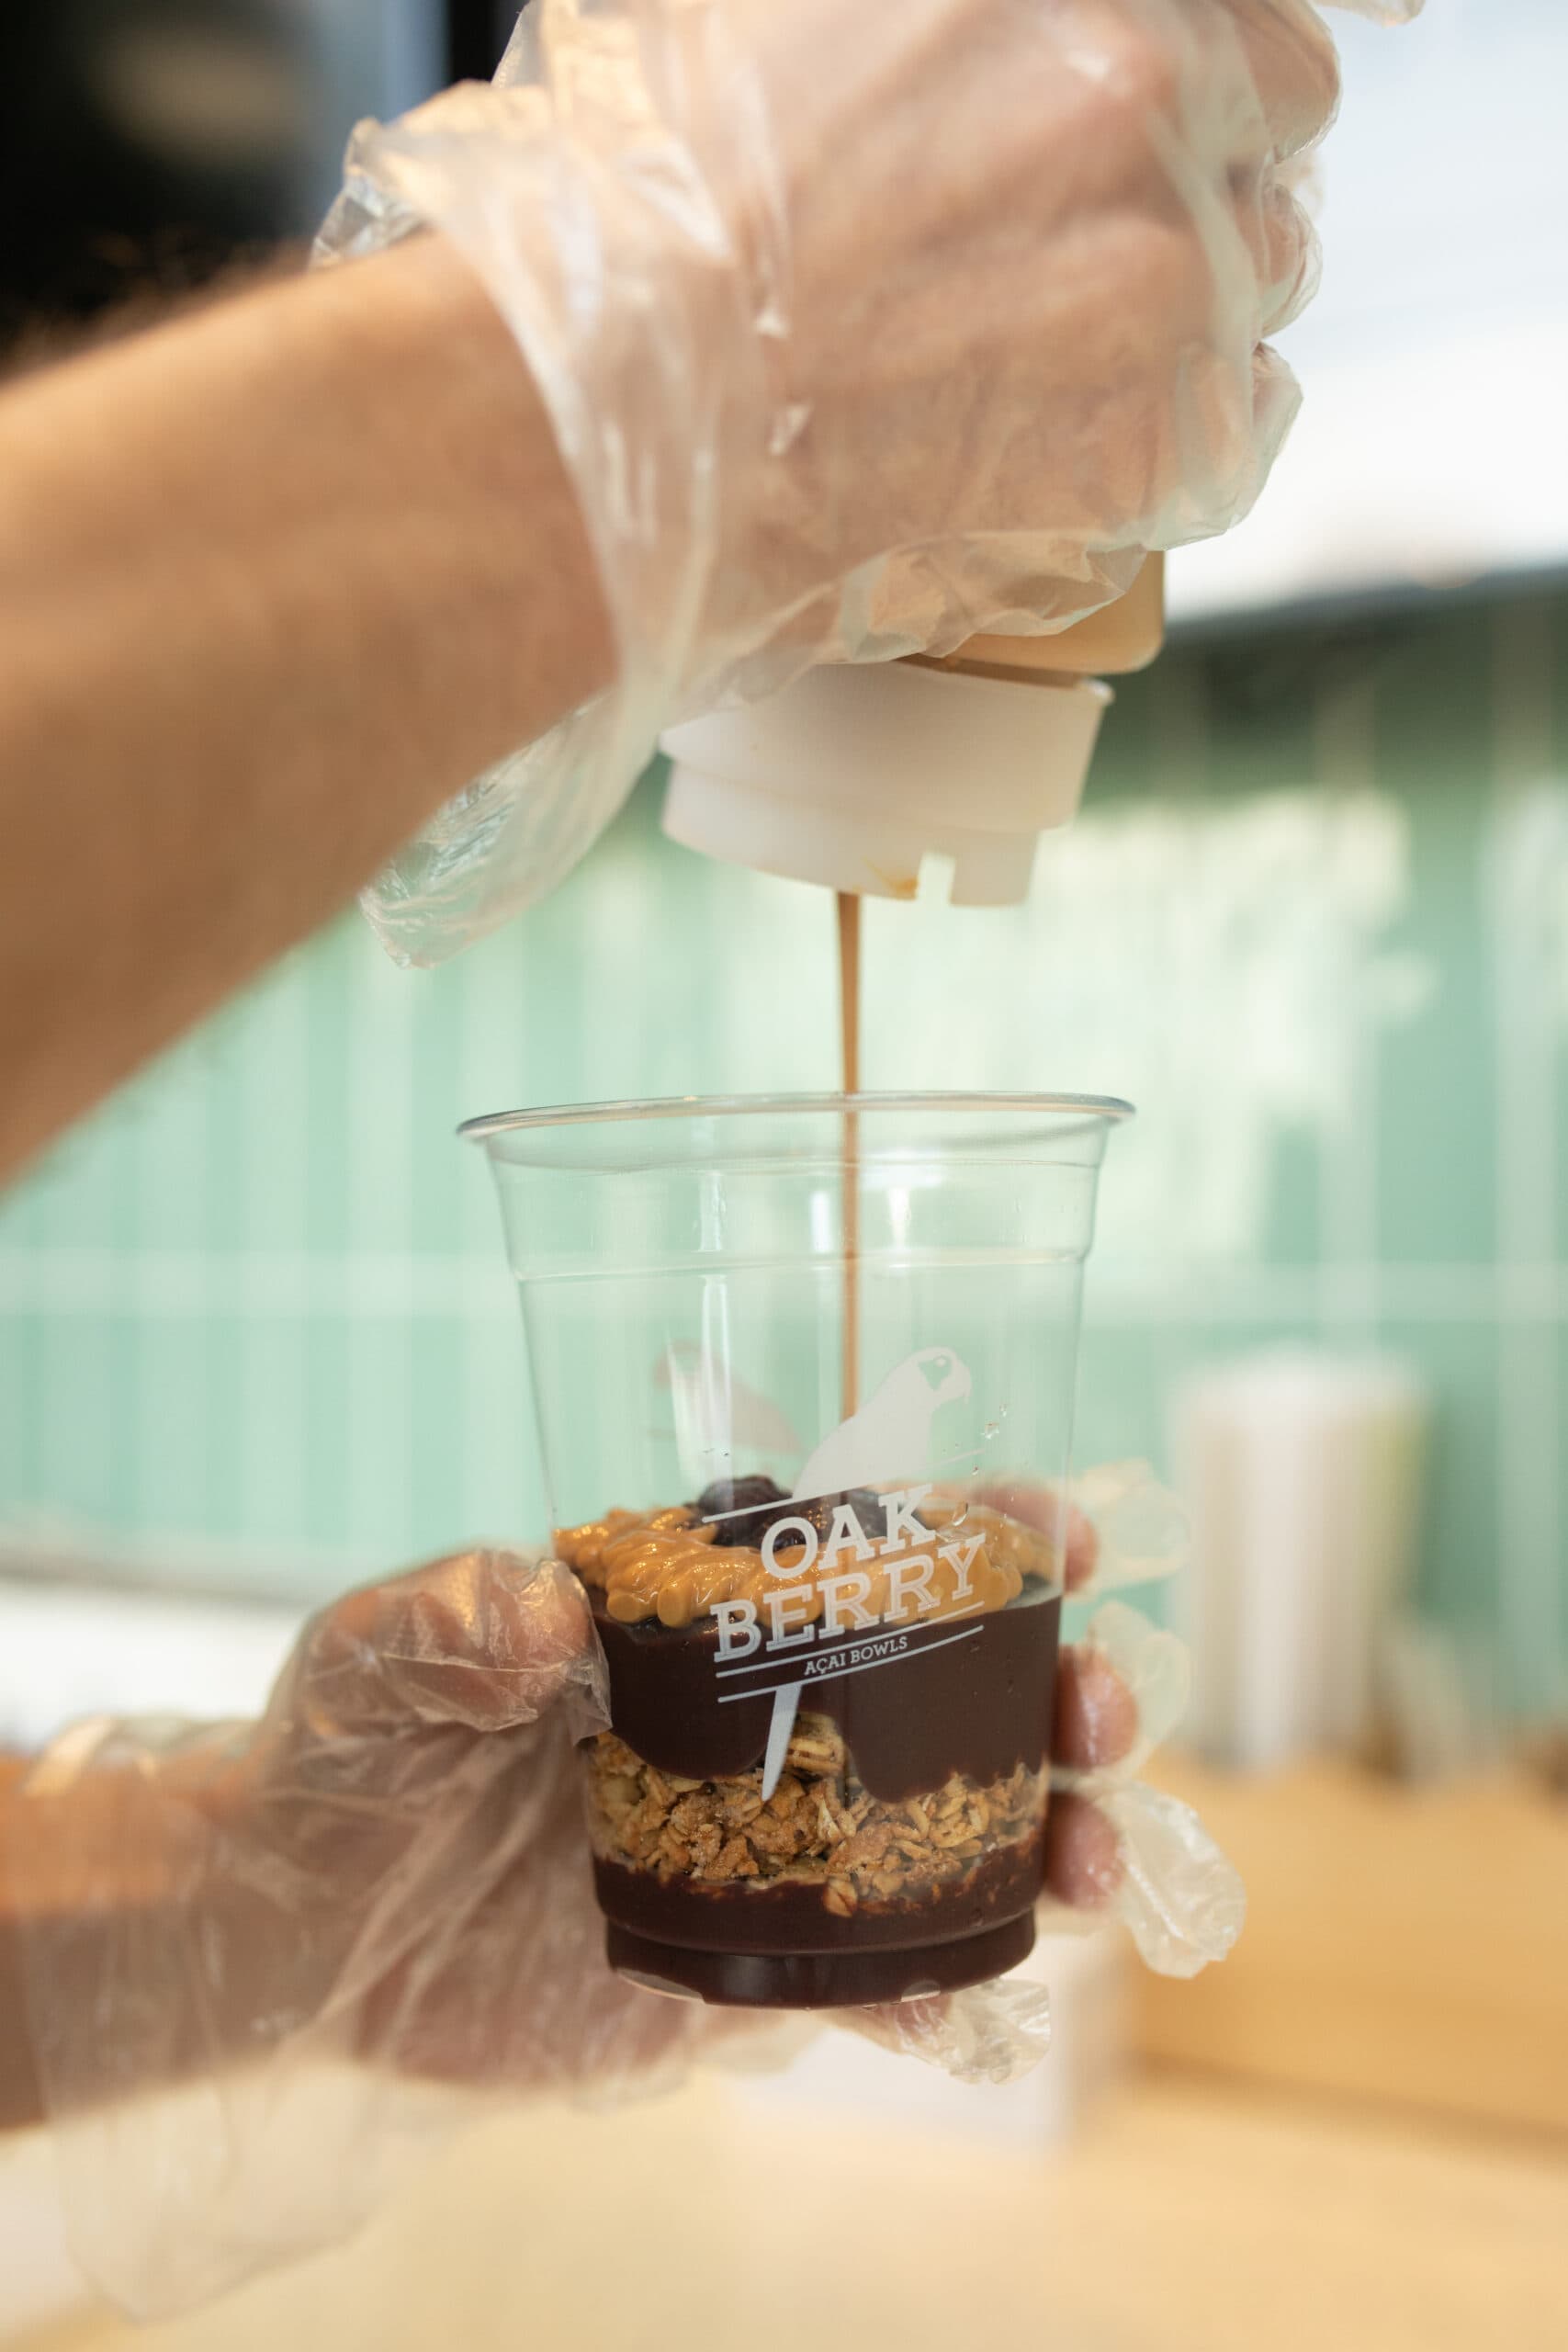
column 260, row 1960
column 1118, row 1847
column 861, row 329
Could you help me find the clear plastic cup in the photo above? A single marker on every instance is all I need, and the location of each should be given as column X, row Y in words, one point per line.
column 805, row 1371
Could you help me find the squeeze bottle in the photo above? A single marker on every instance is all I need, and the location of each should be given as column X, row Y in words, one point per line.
column 853, row 777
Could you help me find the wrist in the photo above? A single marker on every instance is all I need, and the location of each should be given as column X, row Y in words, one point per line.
column 478, row 438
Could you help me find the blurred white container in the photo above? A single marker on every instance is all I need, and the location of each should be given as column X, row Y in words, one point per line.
column 1088, row 1976
column 69, row 1650
column 1305, row 1475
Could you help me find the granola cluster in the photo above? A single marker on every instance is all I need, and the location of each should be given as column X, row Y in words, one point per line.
column 820, row 1827
column 668, row 1565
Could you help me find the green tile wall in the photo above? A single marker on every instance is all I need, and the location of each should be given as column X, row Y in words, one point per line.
column 255, row 1324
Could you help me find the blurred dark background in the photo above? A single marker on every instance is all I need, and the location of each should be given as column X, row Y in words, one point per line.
column 146, row 145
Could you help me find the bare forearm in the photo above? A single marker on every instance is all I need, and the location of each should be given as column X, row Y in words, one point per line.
column 275, row 581
column 21, row 2102
column 111, row 1876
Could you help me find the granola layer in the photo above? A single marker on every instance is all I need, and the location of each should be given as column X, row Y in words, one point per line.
column 820, row 1828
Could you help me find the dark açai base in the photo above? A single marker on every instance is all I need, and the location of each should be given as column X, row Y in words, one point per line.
column 979, row 1708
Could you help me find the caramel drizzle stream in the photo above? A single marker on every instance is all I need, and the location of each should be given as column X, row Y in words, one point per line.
column 849, row 1026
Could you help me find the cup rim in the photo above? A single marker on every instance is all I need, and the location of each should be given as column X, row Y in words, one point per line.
column 1108, row 1109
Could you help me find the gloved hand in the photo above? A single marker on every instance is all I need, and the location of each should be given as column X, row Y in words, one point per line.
column 861, row 329
column 318, row 1928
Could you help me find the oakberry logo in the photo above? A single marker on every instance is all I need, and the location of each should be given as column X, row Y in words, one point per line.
column 789, row 1620
column 856, row 1565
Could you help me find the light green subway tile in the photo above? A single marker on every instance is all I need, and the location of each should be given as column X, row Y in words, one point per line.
column 493, row 1010
column 1122, row 1382
column 330, row 1053
column 701, row 978
column 21, row 1213
column 1458, row 1576
column 501, row 1473
column 1438, row 1197
column 21, row 1479
column 1126, row 743
column 1557, row 783
column 274, row 1110
column 164, row 1160
column 273, row 1465
column 328, row 1504
column 384, row 1115
column 86, row 1462
column 169, row 1428
column 1293, row 1235
column 1156, row 738
column 434, row 1172
column 438, row 1519
column 223, row 1053
column 222, row 1430
column 75, row 1183
column 377, row 1418
column 1127, row 1378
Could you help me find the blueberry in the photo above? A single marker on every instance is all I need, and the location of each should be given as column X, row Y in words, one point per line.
column 738, row 1494
column 867, row 1508
column 747, row 1508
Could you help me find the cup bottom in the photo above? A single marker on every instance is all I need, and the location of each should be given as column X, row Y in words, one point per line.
column 818, row 1980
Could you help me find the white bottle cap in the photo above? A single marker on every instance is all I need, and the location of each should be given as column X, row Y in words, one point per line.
column 853, row 776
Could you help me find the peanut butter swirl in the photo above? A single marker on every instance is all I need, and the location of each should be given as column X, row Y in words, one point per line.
column 668, row 1565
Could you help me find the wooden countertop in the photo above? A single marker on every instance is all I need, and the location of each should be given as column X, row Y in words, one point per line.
column 1408, row 1945
column 1186, row 2220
